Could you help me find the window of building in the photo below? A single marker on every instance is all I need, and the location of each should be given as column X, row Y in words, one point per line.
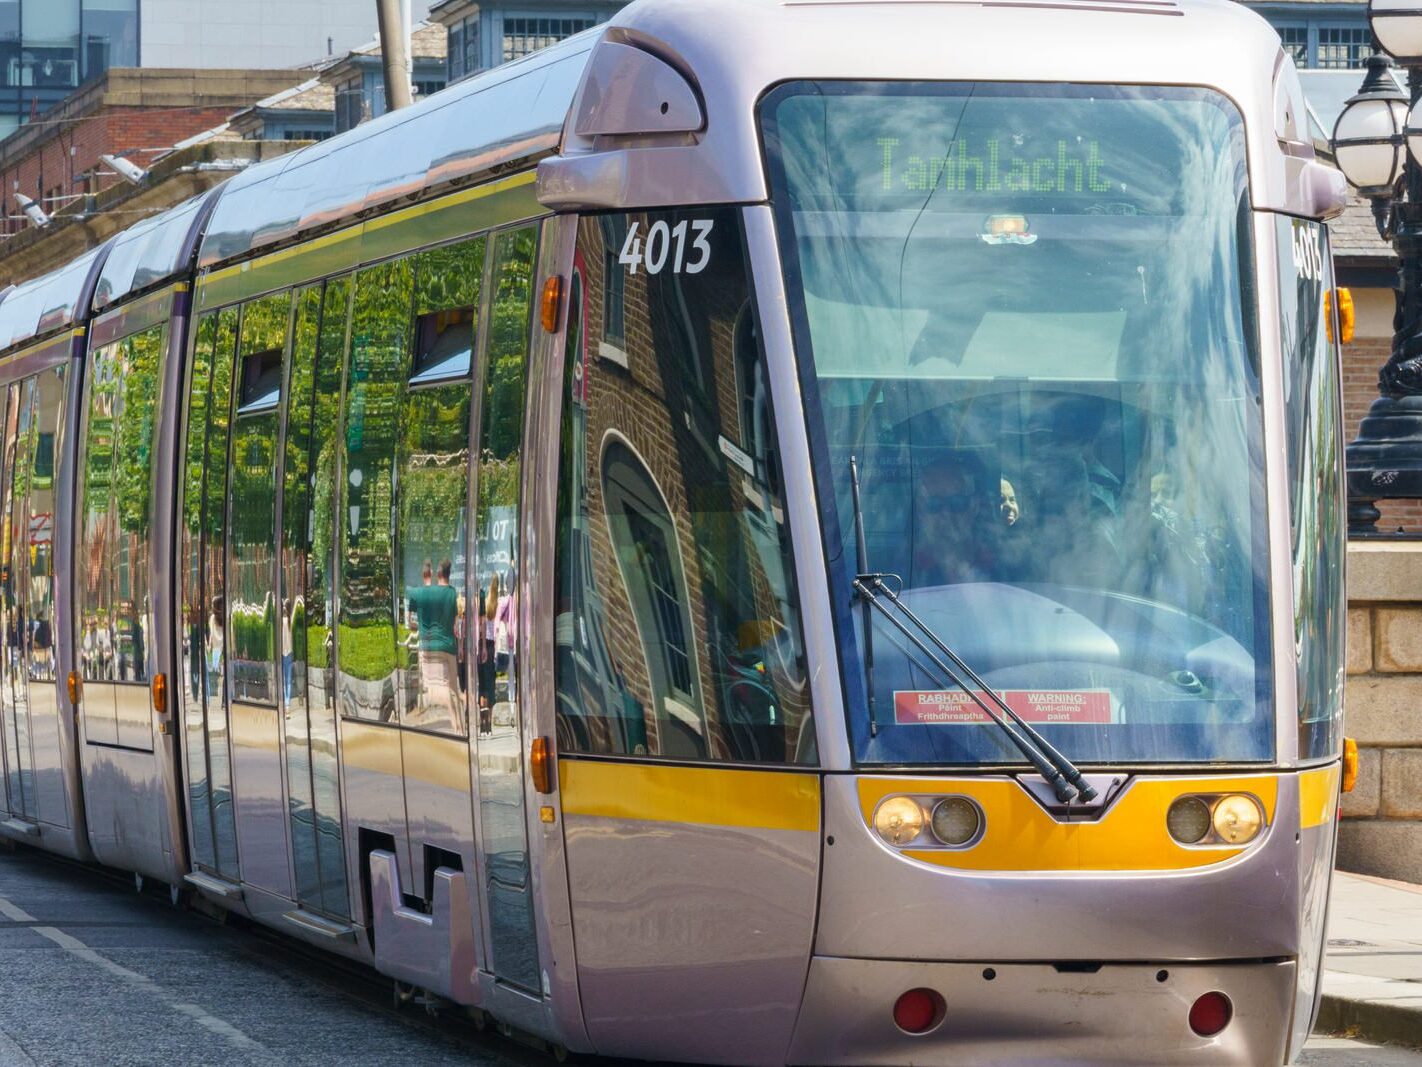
column 428, row 87
column 305, row 135
column 523, row 36
column 613, row 345
column 463, row 51
column 1343, row 47
column 1295, row 40
column 350, row 104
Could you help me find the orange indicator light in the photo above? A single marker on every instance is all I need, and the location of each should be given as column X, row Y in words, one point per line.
column 540, row 765
column 552, row 303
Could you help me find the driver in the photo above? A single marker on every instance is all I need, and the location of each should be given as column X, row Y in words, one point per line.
column 956, row 519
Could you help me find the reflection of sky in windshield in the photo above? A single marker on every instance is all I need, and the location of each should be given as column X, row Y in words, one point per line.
column 1093, row 364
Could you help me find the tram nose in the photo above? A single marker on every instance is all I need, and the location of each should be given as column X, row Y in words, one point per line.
column 964, row 921
column 983, row 868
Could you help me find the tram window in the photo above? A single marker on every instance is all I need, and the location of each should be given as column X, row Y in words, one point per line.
column 261, row 382
column 320, row 591
column 50, row 390
column 194, row 664
column 433, row 488
column 678, row 631
column 117, row 474
column 1036, row 341
column 1317, row 498
column 495, row 612
column 214, row 522
column 252, row 623
column 379, row 367
column 447, row 282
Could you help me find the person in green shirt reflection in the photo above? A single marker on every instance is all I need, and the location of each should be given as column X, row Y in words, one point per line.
column 436, row 606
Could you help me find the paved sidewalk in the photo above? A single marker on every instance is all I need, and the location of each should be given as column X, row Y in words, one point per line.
column 1372, row 985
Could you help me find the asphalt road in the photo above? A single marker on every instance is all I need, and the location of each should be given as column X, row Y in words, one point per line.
column 93, row 973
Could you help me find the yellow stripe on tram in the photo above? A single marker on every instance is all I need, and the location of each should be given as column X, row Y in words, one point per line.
column 709, row 796
column 1318, row 796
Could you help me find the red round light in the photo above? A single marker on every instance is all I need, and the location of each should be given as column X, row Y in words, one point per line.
column 918, row 1011
column 1210, row 1014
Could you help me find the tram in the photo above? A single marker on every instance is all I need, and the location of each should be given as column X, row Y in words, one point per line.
column 769, row 532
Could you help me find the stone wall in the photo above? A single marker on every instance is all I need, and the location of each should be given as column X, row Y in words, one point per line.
column 1381, row 833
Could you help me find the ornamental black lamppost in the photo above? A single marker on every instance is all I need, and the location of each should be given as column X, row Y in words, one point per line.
column 1377, row 142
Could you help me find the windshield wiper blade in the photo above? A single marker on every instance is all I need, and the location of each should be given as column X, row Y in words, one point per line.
column 865, row 585
column 1063, row 766
column 1060, row 773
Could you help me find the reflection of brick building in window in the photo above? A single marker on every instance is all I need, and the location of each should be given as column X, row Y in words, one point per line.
column 671, row 417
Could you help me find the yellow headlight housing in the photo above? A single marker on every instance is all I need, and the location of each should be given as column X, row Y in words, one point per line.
column 1237, row 819
column 899, row 820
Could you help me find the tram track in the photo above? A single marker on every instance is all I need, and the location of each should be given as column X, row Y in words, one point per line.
column 482, row 1040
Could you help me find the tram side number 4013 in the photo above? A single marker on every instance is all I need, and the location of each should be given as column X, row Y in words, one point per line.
column 661, row 240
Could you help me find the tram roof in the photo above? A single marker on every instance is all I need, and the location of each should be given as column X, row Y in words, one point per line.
column 735, row 50
column 152, row 251
column 514, row 112
column 51, row 302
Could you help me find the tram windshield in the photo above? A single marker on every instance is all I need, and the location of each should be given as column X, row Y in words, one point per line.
column 1025, row 312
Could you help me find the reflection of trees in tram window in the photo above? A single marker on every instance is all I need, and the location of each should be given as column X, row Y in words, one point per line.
column 251, row 608
column 116, row 480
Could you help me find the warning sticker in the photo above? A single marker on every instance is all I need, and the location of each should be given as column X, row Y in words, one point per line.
column 955, row 707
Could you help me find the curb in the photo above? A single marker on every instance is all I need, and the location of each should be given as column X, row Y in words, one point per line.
column 1371, row 1020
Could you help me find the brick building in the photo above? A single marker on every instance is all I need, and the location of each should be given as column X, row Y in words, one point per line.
column 139, row 114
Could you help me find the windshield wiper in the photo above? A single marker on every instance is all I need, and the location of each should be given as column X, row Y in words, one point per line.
column 1060, row 773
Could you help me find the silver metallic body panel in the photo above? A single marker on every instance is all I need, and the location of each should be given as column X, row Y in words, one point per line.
column 691, row 937
column 259, row 798
column 1030, row 1014
column 553, row 901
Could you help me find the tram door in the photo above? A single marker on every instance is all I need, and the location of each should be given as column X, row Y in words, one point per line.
column 19, row 781
column 33, row 417
column 202, row 607
column 502, row 816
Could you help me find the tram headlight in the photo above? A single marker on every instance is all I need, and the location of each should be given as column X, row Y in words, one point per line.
column 899, row 820
column 956, row 821
column 1237, row 819
column 1188, row 820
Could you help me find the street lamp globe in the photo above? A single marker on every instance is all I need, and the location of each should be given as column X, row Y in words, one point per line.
column 1368, row 139
column 1397, row 28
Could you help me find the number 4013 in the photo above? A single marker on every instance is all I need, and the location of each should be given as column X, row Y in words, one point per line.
column 666, row 246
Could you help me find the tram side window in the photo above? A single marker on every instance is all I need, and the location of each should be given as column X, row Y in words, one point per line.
column 1317, row 496
column 116, row 483
column 495, row 613
column 39, row 594
column 433, row 487
column 368, row 631
column 254, row 618
column 678, row 628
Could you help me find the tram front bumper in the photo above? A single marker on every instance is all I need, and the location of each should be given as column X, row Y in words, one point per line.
column 1030, row 1013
